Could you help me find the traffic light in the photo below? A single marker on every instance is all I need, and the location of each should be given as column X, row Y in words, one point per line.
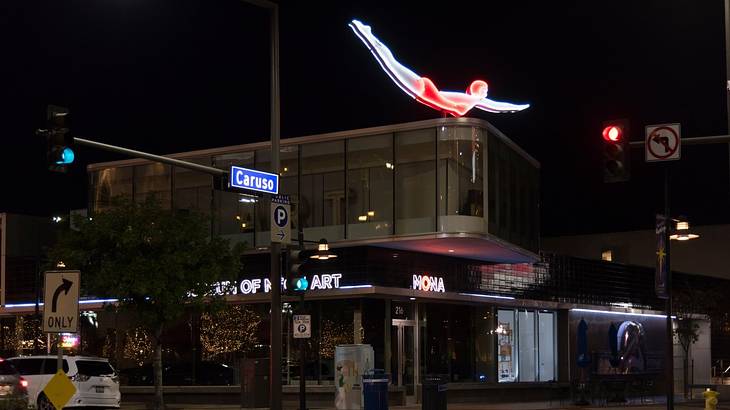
column 616, row 164
column 296, row 280
column 59, row 144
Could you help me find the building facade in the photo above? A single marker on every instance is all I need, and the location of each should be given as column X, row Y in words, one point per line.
column 436, row 228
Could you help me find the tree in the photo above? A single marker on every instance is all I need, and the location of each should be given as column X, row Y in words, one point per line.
column 156, row 262
column 689, row 304
column 231, row 330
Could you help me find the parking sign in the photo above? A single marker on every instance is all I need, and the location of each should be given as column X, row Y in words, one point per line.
column 280, row 221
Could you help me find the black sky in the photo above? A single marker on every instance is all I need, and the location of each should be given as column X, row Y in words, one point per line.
column 176, row 75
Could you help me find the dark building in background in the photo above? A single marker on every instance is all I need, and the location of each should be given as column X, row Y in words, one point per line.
column 23, row 240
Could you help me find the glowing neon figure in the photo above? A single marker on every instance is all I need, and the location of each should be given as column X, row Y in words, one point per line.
column 424, row 90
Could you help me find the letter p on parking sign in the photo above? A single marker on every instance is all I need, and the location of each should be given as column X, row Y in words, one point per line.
column 280, row 221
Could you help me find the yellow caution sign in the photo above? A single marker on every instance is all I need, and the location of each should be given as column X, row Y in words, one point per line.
column 59, row 390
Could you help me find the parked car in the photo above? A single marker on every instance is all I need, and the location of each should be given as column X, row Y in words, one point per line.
column 13, row 387
column 97, row 384
column 181, row 374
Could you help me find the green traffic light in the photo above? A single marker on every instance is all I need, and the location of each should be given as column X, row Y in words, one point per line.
column 301, row 284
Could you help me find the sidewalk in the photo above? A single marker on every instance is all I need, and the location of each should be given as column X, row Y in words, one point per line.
column 694, row 405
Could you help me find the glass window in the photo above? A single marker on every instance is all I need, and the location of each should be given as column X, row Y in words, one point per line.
column 461, row 173
column 546, row 337
column 288, row 185
column 193, row 189
column 526, row 343
column 28, row 366
column 234, row 211
column 370, row 186
column 415, row 181
column 484, row 343
column 506, row 349
column 7, row 368
column 50, row 366
column 153, row 180
column 448, row 342
column 109, row 183
column 322, row 206
column 527, row 346
column 94, row 368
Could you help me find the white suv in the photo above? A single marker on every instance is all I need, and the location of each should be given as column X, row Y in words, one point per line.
column 97, row 384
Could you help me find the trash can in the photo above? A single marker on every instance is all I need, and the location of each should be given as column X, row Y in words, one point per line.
column 375, row 389
column 434, row 392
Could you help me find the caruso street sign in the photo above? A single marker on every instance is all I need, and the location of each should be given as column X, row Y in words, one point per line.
column 254, row 180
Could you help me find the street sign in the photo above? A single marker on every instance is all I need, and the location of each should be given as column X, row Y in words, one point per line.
column 254, row 180
column 663, row 142
column 280, row 221
column 59, row 389
column 302, row 326
column 61, row 302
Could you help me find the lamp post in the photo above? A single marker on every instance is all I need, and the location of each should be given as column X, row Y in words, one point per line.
column 680, row 233
column 323, row 253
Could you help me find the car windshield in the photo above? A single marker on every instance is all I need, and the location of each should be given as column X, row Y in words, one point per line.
column 94, row 368
column 7, row 368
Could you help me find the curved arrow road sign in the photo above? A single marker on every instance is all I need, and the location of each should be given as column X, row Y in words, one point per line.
column 61, row 301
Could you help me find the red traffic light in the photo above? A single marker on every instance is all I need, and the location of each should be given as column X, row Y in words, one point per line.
column 613, row 133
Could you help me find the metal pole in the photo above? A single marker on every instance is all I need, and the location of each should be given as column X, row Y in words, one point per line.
column 669, row 368
column 275, row 248
column 151, row 157
column 302, row 363
column 727, row 72
column 59, row 356
column 276, row 348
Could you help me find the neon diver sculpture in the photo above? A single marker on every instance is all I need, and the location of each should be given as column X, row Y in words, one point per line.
column 424, row 90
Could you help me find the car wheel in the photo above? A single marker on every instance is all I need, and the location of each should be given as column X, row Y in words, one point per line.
column 44, row 403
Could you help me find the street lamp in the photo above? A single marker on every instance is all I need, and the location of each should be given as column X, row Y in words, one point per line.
column 323, row 251
column 680, row 232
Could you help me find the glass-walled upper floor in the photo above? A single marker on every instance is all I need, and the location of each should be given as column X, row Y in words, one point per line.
column 443, row 176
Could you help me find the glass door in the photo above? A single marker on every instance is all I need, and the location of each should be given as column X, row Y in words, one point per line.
column 403, row 364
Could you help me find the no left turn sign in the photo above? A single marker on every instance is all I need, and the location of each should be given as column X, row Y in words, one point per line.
column 663, row 142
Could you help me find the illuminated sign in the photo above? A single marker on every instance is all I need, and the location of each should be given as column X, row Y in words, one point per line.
column 251, row 286
column 423, row 89
column 69, row 340
column 253, row 180
column 428, row 283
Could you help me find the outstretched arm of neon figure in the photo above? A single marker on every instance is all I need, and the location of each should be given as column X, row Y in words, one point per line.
column 406, row 79
column 497, row 106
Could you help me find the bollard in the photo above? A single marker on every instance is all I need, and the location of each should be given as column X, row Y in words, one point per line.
column 710, row 399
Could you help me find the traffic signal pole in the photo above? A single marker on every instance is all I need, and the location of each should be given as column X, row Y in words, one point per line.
column 669, row 368
column 152, row 157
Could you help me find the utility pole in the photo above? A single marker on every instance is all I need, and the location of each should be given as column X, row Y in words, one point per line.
column 275, row 248
column 669, row 369
column 727, row 75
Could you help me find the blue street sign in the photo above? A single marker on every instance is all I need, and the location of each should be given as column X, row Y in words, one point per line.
column 245, row 178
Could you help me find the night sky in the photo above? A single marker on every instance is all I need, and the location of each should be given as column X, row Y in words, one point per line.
column 177, row 75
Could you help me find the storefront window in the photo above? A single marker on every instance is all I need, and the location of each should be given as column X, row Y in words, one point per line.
column 506, row 349
column 370, row 186
column 322, row 207
column 527, row 349
column 192, row 189
column 288, row 185
column 153, row 180
column 546, row 337
column 415, row 181
column 461, row 173
column 526, row 345
column 449, row 342
column 109, row 183
column 234, row 211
